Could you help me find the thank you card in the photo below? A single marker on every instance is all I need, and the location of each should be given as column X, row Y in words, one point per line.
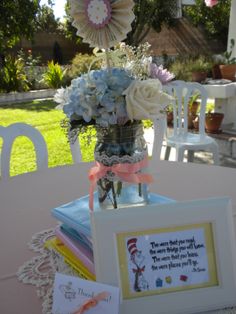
column 73, row 295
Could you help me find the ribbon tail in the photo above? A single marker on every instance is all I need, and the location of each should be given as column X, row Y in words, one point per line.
column 145, row 178
column 91, row 194
column 136, row 177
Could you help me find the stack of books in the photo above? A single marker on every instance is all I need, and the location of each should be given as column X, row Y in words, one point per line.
column 73, row 239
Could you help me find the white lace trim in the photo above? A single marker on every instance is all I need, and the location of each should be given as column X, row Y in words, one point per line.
column 109, row 161
column 40, row 271
column 38, row 240
column 113, row 160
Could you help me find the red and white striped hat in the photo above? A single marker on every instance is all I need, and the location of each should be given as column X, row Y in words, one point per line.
column 131, row 246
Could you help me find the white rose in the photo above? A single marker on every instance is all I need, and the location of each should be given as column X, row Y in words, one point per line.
column 145, row 99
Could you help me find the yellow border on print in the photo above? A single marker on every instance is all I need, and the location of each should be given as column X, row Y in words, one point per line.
column 122, row 257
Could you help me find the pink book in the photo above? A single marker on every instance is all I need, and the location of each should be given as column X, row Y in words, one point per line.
column 85, row 256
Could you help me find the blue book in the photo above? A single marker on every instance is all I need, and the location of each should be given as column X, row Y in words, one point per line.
column 76, row 213
column 71, row 233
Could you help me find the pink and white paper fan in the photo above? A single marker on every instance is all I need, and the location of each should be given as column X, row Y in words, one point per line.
column 102, row 23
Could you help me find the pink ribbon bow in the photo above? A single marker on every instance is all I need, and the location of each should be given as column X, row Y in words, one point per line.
column 126, row 171
column 92, row 302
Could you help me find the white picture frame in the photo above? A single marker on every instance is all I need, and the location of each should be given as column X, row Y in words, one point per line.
column 211, row 219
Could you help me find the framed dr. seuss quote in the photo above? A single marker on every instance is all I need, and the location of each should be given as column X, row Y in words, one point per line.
column 167, row 260
column 170, row 258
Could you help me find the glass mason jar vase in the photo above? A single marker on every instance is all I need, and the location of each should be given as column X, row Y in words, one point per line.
column 123, row 149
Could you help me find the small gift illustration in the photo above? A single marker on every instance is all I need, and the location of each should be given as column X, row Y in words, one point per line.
column 68, row 292
column 137, row 258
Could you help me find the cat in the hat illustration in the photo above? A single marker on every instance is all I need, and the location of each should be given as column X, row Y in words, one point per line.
column 137, row 258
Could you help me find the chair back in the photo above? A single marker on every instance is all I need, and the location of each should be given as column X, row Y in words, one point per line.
column 9, row 134
column 159, row 132
column 182, row 93
column 75, row 151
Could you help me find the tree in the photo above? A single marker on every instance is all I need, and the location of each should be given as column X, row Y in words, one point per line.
column 151, row 14
column 46, row 20
column 214, row 20
column 17, row 19
column 69, row 29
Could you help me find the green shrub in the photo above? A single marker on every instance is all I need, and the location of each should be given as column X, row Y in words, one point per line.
column 200, row 64
column 35, row 76
column 81, row 64
column 180, row 69
column 32, row 68
column 28, row 58
column 183, row 66
column 12, row 76
column 54, row 76
column 210, row 107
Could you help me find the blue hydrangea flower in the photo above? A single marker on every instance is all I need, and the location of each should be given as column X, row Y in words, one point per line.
column 97, row 96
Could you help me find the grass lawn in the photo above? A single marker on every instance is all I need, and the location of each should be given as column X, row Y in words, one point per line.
column 43, row 116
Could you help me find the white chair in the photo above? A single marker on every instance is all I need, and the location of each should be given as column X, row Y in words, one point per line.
column 9, row 134
column 154, row 139
column 181, row 139
column 75, row 151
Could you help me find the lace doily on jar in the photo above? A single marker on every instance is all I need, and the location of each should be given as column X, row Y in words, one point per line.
column 40, row 271
column 114, row 159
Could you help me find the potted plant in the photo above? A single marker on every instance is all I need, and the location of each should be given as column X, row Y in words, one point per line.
column 196, row 123
column 228, row 68
column 180, row 68
column 169, row 115
column 213, row 121
column 192, row 109
column 216, row 74
column 200, row 68
column 193, row 104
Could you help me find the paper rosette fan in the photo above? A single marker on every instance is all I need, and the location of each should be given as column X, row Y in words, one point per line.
column 102, row 23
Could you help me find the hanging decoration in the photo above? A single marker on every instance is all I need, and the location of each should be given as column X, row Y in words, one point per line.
column 102, row 23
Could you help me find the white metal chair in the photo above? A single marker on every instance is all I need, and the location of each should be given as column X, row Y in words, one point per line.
column 181, row 139
column 9, row 134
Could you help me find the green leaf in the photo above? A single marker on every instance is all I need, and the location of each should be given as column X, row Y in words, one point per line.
column 119, row 188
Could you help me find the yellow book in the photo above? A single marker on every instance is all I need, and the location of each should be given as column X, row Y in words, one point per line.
column 70, row 258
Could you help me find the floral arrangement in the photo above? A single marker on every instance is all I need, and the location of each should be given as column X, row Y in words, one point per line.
column 128, row 91
column 115, row 99
column 138, row 61
column 110, row 96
